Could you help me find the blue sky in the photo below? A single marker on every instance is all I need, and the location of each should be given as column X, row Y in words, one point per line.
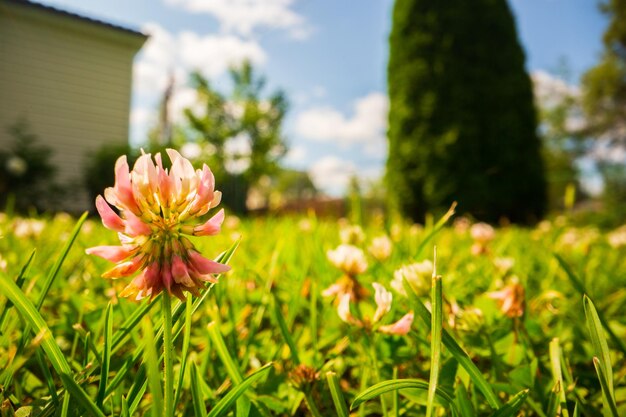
column 329, row 56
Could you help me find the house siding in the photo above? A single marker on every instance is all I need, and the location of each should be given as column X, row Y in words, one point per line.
column 70, row 81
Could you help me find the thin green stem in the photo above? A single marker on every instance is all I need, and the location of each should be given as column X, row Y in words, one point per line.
column 373, row 354
column 168, row 349
column 310, row 402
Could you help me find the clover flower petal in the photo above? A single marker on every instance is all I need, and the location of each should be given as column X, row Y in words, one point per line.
column 157, row 208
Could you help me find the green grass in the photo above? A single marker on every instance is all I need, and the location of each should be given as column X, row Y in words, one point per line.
column 265, row 342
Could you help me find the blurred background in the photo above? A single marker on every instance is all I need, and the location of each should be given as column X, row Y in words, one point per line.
column 514, row 109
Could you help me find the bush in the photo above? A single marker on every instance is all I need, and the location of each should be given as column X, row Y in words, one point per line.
column 26, row 173
column 99, row 172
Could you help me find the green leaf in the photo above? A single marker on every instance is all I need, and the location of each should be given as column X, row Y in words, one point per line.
column 600, row 347
column 438, row 226
column 511, row 408
column 28, row 311
column 335, row 391
column 607, row 391
column 222, row 351
column 435, row 344
column 125, row 409
column 229, row 399
column 399, row 384
column 196, row 394
column 59, row 262
column 554, row 400
column 282, row 325
column 463, row 402
column 184, row 356
column 45, row 369
column 555, row 362
column 455, row 350
column 151, row 363
column 580, row 287
column 243, row 405
column 106, row 354
column 19, row 282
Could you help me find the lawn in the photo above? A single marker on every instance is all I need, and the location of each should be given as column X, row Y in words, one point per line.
column 518, row 336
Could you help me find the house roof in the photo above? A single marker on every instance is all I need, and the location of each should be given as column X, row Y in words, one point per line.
column 54, row 10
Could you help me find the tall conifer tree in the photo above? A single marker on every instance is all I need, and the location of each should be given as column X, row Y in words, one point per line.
column 462, row 124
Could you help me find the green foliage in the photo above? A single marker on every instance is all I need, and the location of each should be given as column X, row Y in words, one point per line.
column 295, row 185
column 604, row 85
column 563, row 141
column 614, row 195
column 262, row 312
column 604, row 102
column 242, row 129
column 98, row 169
column 462, row 126
column 26, row 172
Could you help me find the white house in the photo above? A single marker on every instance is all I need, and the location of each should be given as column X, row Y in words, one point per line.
column 69, row 77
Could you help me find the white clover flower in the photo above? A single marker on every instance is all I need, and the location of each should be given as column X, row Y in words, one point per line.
column 381, row 248
column 417, row 274
column 350, row 259
column 352, row 235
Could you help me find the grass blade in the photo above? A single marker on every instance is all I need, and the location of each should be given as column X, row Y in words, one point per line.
column 151, row 363
column 131, row 322
column 436, row 228
column 455, row 350
column 463, row 402
column 19, row 282
column 65, row 407
column 243, row 404
column 607, row 391
column 435, row 344
column 80, row 396
column 106, row 354
column 598, row 341
column 554, row 400
column 222, row 351
column 47, row 343
column 186, row 340
column 398, row 384
column 196, row 394
column 511, row 408
column 125, row 409
column 555, row 361
column 335, row 391
column 229, row 399
column 59, row 262
column 579, row 286
column 282, row 325
column 45, row 370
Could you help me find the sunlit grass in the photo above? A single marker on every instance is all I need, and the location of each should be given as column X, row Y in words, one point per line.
column 240, row 344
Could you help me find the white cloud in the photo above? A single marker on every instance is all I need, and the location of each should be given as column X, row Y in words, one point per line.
column 550, row 90
column 165, row 53
column 237, row 151
column 332, row 174
column 183, row 98
column 245, row 16
column 168, row 55
column 214, row 54
column 366, row 127
column 296, row 155
column 141, row 116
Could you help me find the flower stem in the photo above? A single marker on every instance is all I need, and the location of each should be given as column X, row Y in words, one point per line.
column 168, row 350
column 310, row 402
